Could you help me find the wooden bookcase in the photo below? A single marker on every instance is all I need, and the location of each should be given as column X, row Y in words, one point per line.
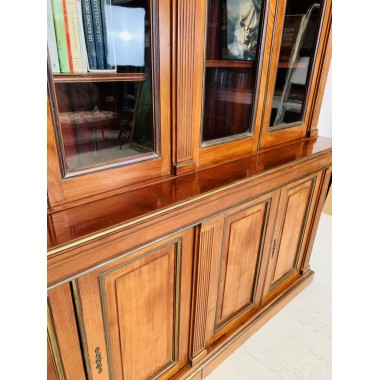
column 184, row 195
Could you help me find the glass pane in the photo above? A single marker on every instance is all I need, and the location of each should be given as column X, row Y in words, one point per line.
column 298, row 45
column 105, row 113
column 233, row 39
column 104, row 122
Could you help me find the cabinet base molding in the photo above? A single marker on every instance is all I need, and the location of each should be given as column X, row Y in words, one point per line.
column 227, row 345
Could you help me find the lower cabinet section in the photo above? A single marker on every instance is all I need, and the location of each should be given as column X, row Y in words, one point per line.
column 295, row 213
column 168, row 309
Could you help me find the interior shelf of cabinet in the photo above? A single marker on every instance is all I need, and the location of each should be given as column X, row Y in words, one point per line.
column 101, row 77
column 295, row 65
column 228, row 63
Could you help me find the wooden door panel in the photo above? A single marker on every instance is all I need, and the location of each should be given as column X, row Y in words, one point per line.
column 139, row 299
column 237, row 275
column 63, row 335
column 294, row 219
column 51, row 368
column 297, row 202
column 143, row 303
column 243, row 240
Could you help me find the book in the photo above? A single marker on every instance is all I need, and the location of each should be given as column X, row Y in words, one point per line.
column 73, row 31
column 106, row 12
column 60, row 34
column 81, row 37
column 52, row 43
column 243, row 22
column 223, row 29
column 98, row 34
column 89, row 33
column 67, row 35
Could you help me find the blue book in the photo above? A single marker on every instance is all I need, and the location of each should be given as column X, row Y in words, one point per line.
column 89, row 33
column 107, row 38
column 98, row 34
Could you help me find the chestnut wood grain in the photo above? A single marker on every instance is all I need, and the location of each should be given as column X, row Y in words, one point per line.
column 209, row 246
column 143, row 301
column 189, row 41
column 83, row 221
column 320, row 87
column 296, row 208
column 312, row 231
column 238, row 266
column 63, row 331
column 51, row 369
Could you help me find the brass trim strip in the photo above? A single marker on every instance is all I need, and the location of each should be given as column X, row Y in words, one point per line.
column 179, row 205
column 54, row 344
column 82, row 331
column 179, row 231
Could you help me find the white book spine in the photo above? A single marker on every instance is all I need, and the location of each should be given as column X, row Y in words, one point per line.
column 82, row 38
column 52, row 43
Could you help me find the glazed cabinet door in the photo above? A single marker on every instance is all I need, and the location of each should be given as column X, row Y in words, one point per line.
column 296, row 212
column 219, row 61
column 135, row 312
column 231, row 262
column 301, row 30
column 109, row 119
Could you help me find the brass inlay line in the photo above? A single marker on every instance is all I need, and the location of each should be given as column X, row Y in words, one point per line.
column 122, row 226
column 54, row 343
column 82, row 331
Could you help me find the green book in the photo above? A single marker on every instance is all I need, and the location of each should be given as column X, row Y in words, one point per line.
column 60, row 34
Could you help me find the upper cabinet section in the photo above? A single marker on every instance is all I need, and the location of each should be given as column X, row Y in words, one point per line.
column 301, row 30
column 142, row 89
column 109, row 94
column 233, row 47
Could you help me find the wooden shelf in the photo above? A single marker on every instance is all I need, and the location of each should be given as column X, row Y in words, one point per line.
column 103, row 77
column 229, row 63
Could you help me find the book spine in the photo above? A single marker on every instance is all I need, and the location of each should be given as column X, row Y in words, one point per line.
column 89, row 33
column 72, row 17
column 66, row 20
column 51, row 40
column 223, row 29
column 108, row 45
column 98, row 34
column 60, row 33
column 81, row 37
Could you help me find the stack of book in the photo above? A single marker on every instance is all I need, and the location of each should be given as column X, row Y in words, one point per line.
column 77, row 35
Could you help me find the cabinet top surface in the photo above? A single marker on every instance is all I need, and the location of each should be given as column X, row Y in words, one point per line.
column 85, row 222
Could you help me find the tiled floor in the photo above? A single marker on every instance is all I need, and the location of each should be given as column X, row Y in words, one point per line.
column 296, row 343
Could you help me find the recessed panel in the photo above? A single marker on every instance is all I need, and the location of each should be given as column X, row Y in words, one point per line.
column 294, row 220
column 240, row 262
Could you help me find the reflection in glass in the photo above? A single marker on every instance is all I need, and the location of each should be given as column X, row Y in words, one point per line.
column 104, row 122
column 298, row 44
column 232, row 51
column 108, row 122
column 228, row 102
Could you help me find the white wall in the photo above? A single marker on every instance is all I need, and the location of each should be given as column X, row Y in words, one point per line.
column 325, row 116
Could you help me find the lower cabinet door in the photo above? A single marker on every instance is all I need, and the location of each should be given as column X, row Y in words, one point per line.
column 63, row 345
column 297, row 204
column 135, row 311
column 235, row 244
